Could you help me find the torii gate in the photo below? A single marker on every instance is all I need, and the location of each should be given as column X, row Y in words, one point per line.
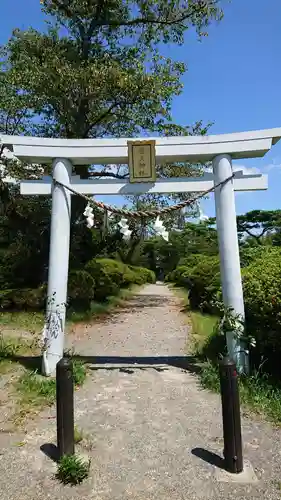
column 64, row 153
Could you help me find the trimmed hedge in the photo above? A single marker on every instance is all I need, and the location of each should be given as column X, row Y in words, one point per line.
column 205, row 284
column 262, row 296
column 28, row 299
column 111, row 275
column 81, row 289
column 100, row 279
column 143, row 275
column 201, row 276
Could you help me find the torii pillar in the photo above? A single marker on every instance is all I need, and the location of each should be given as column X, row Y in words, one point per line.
column 53, row 335
column 229, row 255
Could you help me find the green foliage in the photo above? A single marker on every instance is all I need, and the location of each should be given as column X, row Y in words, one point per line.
column 257, row 392
column 180, row 276
column 22, row 320
column 192, row 240
column 12, row 347
column 97, row 70
column 79, row 372
column 95, row 78
column 205, row 283
column 201, row 278
column 107, row 274
column 78, row 435
column 262, row 296
column 259, row 223
column 142, row 275
column 23, row 299
column 111, row 275
column 101, row 279
column 24, row 240
column 249, row 254
column 81, row 289
column 192, row 260
column 209, row 377
column 36, row 390
column 72, row 469
column 213, row 344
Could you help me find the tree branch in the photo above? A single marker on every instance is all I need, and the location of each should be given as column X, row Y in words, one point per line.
column 257, row 237
column 100, row 118
column 108, row 174
column 96, row 23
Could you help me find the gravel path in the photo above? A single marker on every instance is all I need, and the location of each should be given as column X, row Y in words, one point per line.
column 149, row 429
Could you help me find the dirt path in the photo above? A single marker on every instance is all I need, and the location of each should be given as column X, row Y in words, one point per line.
column 146, row 421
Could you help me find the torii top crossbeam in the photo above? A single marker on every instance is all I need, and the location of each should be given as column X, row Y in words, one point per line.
column 102, row 151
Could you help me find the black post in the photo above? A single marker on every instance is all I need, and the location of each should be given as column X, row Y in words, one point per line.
column 231, row 416
column 65, row 407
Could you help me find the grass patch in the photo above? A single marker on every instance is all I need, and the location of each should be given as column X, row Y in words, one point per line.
column 100, row 309
column 79, row 372
column 72, row 470
column 10, row 348
column 78, row 435
column 257, row 392
column 5, row 366
column 29, row 321
column 34, row 321
column 202, row 329
column 202, row 326
column 36, row 391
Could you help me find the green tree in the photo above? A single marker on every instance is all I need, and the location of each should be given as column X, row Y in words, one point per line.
column 260, row 226
column 98, row 70
column 192, row 239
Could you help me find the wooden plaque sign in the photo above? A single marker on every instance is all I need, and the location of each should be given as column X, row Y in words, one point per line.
column 142, row 165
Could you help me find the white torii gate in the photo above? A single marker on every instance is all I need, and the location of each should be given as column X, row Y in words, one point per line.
column 64, row 153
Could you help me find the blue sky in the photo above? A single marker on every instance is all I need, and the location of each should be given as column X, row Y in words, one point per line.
column 233, row 80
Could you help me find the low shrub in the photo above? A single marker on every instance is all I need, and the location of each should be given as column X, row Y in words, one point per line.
column 143, row 275
column 28, row 299
column 72, row 469
column 81, row 289
column 192, row 260
column 205, row 284
column 262, row 297
column 100, row 279
column 180, row 276
column 200, row 274
column 255, row 253
column 111, row 275
column 108, row 276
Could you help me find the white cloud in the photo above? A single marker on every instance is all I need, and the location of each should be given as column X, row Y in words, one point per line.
column 238, row 168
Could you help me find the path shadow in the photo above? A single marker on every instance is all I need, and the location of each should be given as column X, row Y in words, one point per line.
column 131, row 363
column 32, row 363
column 209, row 457
column 126, row 364
column 51, row 451
column 142, row 301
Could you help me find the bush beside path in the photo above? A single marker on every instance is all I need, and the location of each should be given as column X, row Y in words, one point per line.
column 143, row 418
